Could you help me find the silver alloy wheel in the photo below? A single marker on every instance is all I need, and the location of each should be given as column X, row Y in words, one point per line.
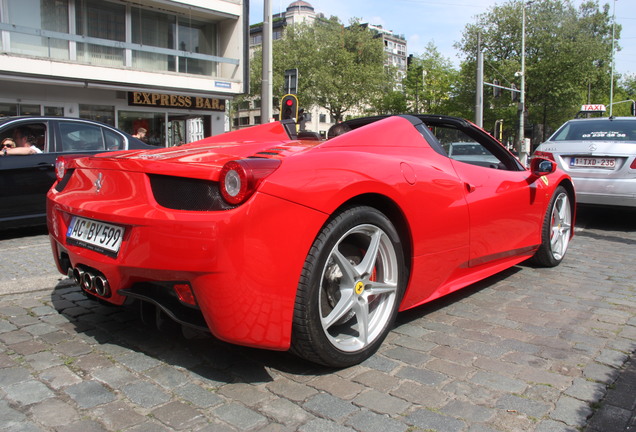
column 359, row 286
column 561, row 226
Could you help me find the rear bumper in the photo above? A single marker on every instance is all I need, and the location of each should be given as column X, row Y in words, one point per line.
column 611, row 192
column 243, row 264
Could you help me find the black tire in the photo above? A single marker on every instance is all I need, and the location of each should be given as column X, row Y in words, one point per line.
column 556, row 230
column 349, row 290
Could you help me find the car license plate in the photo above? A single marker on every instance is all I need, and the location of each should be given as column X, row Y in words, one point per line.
column 593, row 162
column 95, row 235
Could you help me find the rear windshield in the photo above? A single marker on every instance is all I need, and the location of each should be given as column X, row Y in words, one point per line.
column 597, row 130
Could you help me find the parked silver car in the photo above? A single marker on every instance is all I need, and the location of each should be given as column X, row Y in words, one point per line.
column 600, row 156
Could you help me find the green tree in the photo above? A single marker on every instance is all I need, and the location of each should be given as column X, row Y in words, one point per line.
column 430, row 82
column 340, row 68
column 568, row 58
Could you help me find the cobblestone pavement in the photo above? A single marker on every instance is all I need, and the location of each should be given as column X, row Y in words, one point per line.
column 528, row 350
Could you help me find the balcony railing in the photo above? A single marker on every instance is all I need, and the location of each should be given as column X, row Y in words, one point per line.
column 106, row 52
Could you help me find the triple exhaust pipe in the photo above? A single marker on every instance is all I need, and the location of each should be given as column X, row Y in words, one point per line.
column 88, row 281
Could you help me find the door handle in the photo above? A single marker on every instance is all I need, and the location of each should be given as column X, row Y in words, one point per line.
column 469, row 188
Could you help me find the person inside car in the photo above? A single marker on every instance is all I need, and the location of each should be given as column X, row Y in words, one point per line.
column 24, row 141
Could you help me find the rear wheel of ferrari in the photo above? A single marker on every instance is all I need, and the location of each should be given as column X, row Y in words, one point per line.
column 349, row 290
column 557, row 230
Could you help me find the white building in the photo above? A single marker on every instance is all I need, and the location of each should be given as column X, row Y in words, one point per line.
column 166, row 65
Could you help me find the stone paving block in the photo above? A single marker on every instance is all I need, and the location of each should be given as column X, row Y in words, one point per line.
column 14, row 375
column 89, row 394
column 83, row 426
column 167, row 376
column 28, row 392
column 429, row 420
column 381, row 403
column 366, row 421
column 468, row 412
column 239, row 416
column 43, row 360
column 522, row 405
column 585, row 390
column 291, row 390
column 378, row 380
column 54, row 412
column 330, row 407
column 572, row 412
column 498, row 382
column 10, row 417
column 285, row 412
column 145, row 394
column 406, row 355
column 600, row 373
column 422, row 376
column 248, row 394
column 381, row 363
column 117, row 416
column 14, row 337
column 555, row 426
column 321, row 425
column 114, row 376
column 59, row 377
column 610, row 418
column 178, row 416
column 337, row 386
column 199, row 396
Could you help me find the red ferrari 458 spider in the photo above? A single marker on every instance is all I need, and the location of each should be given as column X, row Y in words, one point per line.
column 273, row 238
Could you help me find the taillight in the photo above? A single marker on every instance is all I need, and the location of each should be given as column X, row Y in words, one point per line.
column 60, row 167
column 633, row 165
column 240, row 178
column 544, row 155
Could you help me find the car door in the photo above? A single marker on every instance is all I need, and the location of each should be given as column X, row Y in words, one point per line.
column 502, row 197
column 24, row 180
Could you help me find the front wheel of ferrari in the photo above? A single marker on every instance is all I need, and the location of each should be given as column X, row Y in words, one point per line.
column 350, row 289
column 556, row 231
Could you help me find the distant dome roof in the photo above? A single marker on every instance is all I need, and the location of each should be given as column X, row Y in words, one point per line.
column 300, row 4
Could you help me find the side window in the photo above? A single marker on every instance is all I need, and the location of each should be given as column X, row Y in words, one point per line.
column 461, row 147
column 34, row 134
column 81, row 137
column 114, row 141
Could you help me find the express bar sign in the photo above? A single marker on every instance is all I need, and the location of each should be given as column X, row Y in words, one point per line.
column 175, row 101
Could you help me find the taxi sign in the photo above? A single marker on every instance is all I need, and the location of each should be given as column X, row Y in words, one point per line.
column 593, row 108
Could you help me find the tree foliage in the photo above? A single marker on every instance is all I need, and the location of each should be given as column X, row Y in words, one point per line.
column 430, row 82
column 567, row 58
column 340, row 68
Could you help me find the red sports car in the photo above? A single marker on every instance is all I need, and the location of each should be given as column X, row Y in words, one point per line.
column 273, row 238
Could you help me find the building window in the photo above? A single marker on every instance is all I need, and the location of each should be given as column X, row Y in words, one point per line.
column 39, row 14
column 323, row 118
column 244, row 121
column 102, row 113
column 153, row 122
column 102, row 20
column 197, row 37
column 153, row 29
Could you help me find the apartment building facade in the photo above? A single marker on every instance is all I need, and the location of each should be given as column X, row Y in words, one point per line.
column 169, row 66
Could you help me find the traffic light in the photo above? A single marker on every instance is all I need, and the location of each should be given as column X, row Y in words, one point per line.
column 496, row 90
column 289, row 107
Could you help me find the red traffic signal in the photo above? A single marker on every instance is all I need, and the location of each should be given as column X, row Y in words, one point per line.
column 289, row 107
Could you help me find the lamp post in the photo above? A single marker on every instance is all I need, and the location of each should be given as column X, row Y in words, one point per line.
column 523, row 155
column 612, row 72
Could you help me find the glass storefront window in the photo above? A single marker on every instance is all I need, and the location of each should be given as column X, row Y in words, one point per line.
column 8, row 109
column 53, row 111
column 102, row 20
column 39, row 14
column 197, row 37
column 153, row 29
column 153, row 122
column 102, row 113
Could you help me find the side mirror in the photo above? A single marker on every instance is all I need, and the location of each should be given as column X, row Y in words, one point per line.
column 540, row 166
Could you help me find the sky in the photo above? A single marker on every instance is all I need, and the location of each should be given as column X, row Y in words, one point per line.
column 442, row 22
